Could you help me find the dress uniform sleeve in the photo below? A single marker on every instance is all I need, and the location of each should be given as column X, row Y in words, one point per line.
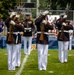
column 59, row 22
column 24, row 23
column 33, row 27
column 39, row 20
column 19, row 27
column 7, row 21
column 50, row 26
column 68, row 27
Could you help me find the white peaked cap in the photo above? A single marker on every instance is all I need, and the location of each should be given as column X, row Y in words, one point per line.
column 65, row 16
column 62, row 14
column 12, row 14
column 17, row 15
column 27, row 14
column 45, row 12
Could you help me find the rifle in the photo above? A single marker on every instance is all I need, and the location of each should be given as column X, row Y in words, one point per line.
column 62, row 36
column 42, row 32
column 10, row 38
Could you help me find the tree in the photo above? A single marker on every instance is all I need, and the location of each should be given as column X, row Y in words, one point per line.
column 61, row 4
column 4, row 7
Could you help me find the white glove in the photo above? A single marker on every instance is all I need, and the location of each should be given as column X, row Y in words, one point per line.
column 17, row 15
column 44, row 22
column 45, row 12
column 12, row 22
column 65, row 16
column 64, row 24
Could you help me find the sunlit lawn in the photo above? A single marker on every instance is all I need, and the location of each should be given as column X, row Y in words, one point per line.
column 54, row 67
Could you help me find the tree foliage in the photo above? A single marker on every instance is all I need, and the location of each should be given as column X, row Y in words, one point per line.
column 4, row 7
column 52, row 4
column 61, row 4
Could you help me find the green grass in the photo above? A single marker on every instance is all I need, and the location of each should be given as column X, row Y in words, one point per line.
column 4, row 64
column 54, row 67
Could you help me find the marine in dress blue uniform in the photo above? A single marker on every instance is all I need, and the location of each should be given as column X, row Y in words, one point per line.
column 28, row 29
column 13, row 40
column 63, row 37
column 42, row 42
column 11, row 47
column 18, row 29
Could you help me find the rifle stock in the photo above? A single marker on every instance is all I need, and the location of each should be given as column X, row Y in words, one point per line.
column 42, row 32
column 10, row 38
column 41, row 36
column 62, row 35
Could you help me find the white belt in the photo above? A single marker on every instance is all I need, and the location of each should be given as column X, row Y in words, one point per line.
column 44, row 33
column 15, row 33
column 27, row 28
column 64, row 31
